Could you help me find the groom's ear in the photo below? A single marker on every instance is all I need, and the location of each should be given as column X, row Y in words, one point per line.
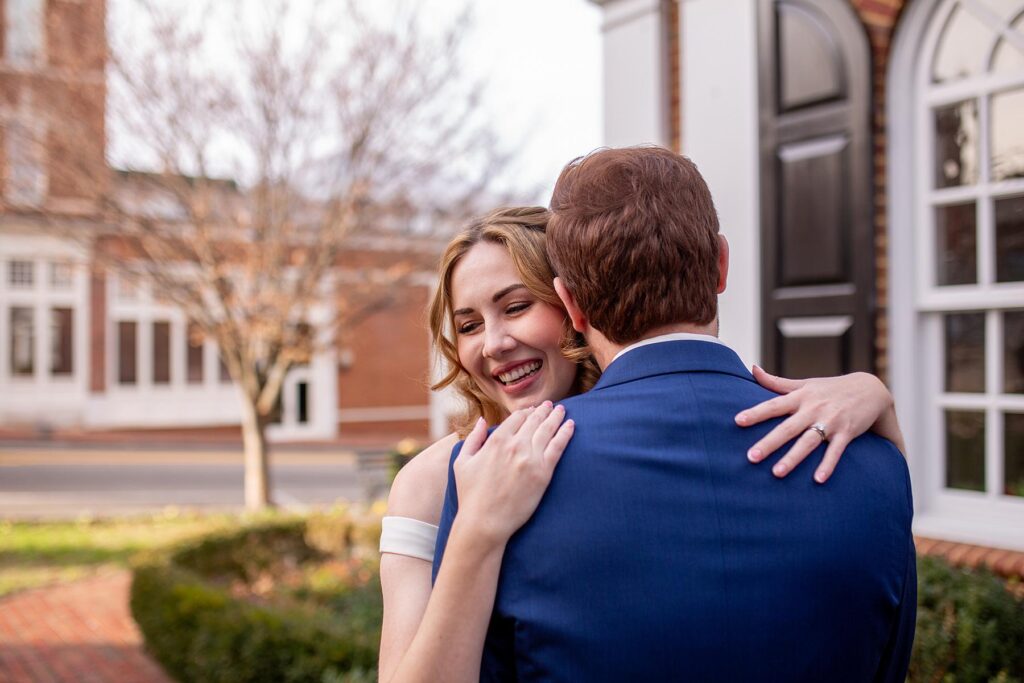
column 723, row 262
column 576, row 317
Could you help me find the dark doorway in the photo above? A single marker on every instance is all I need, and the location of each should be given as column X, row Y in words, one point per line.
column 817, row 254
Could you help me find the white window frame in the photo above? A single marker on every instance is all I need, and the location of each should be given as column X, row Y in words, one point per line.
column 916, row 303
column 25, row 32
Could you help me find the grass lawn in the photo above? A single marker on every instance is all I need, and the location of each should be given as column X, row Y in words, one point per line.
column 38, row 553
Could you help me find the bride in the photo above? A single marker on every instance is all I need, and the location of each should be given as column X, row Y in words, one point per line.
column 510, row 351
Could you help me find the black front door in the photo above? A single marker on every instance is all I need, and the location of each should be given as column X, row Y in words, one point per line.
column 817, row 256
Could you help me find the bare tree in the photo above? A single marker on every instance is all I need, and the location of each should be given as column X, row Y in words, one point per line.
column 265, row 153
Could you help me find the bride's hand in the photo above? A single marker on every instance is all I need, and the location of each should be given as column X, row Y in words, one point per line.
column 502, row 478
column 847, row 406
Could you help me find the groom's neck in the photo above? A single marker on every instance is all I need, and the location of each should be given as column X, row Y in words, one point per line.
column 605, row 350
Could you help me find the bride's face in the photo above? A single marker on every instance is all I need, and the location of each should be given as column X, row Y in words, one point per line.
column 507, row 339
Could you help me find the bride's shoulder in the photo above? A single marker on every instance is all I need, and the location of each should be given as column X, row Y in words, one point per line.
column 418, row 490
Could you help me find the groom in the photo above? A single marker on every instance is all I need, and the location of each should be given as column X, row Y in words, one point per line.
column 659, row 553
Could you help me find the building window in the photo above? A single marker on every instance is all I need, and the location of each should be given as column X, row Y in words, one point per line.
column 24, row 31
column 222, row 370
column 161, row 352
column 61, row 275
column 25, row 154
column 61, row 341
column 194, row 354
column 23, row 341
column 21, row 274
column 970, row 104
column 127, row 355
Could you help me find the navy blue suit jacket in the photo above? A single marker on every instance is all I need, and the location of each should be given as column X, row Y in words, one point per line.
column 659, row 553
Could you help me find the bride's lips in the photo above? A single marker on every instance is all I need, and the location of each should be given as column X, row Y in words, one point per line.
column 521, row 384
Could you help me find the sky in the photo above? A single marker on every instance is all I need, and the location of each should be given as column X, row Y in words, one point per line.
column 544, row 57
column 540, row 59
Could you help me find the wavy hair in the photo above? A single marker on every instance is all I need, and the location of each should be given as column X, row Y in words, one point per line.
column 521, row 231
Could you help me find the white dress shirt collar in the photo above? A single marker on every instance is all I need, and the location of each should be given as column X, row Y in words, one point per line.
column 673, row 336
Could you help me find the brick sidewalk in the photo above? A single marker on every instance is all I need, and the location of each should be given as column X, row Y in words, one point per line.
column 81, row 632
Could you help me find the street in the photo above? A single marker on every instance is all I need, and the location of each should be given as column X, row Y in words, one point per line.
column 67, row 483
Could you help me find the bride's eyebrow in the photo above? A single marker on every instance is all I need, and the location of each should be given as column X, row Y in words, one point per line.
column 496, row 298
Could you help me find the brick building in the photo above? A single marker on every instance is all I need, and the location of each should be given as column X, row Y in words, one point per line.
column 81, row 348
column 867, row 161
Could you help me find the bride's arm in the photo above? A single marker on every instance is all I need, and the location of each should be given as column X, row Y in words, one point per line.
column 439, row 634
column 417, row 493
column 848, row 406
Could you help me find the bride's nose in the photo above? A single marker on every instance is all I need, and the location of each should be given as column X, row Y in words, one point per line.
column 497, row 340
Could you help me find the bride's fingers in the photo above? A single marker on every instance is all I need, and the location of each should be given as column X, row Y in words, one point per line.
column 475, row 439
column 533, row 420
column 780, row 385
column 512, row 423
column 547, row 429
column 556, row 446
column 774, row 407
column 836, row 448
column 783, row 432
column 803, row 447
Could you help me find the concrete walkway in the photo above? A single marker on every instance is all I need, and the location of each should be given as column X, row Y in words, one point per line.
column 81, row 631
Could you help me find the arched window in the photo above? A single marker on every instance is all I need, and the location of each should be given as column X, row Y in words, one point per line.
column 957, row 262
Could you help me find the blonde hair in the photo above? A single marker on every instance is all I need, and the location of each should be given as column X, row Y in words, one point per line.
column 521, row 231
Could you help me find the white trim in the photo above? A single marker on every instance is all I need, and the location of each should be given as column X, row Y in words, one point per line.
column 384, row 414
column 826, row 326
column 916, row 304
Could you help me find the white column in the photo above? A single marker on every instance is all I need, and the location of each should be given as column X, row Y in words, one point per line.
column 720, row 133
column 636, row 90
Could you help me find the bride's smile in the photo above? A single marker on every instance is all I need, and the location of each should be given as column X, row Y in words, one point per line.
column 507, row 339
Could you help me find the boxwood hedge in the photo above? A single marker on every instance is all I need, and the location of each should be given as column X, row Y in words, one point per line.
column 200, row 630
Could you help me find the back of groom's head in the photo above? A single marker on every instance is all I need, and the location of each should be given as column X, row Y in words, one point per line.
column 634, row 237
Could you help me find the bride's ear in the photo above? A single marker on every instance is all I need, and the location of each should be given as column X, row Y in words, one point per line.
column 576, row 317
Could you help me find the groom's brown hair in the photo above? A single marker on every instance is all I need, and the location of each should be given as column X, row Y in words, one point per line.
column 634, row 237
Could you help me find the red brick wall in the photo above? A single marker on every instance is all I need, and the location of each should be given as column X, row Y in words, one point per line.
column 880, row 18
column 390, row 364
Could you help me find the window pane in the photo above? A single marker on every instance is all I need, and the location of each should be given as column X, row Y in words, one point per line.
column 61, row 275
column 1008, row 58
column 23, row 341
column 962, row 47
column 1013, row 352
column 1008, row 135
column 965, row 352
column 956, row 145
column 61, row 341
column 127, row 363
column 194, row 374
column 302, row 407
column 21, row 273
column 1013, row 443
column 965, row 450
column 23, row 37
column 222, row 370
column 161, row 352
column 956, row 238
column 1010, row 239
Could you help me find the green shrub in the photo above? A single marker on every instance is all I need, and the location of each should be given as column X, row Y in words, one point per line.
column 970, row 627
column 186, row 603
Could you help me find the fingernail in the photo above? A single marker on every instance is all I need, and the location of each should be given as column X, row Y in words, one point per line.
column 820, row 477
column 741, row 419
column 754, row 455
column 779, row 469
column 547, row 404
column 560, row 407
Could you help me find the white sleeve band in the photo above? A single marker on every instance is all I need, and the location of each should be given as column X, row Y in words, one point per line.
column 407, row 536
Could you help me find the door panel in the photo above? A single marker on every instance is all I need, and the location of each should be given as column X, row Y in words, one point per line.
column 816, row 207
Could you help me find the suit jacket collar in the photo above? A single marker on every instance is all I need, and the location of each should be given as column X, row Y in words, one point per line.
column 672, row 357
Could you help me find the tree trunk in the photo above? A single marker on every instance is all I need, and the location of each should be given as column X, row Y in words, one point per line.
column 257, row 472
